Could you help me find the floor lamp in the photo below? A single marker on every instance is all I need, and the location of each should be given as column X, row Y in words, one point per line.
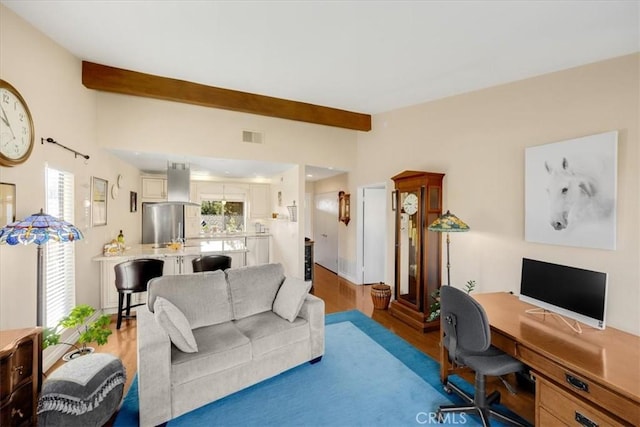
column 448, row 223
column 39, row 228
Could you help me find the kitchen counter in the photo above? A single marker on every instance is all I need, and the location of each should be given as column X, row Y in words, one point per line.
column 243, row 248
column 218, row 243
column 157, row 251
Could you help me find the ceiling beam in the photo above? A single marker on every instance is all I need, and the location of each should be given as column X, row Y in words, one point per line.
column 117, row 80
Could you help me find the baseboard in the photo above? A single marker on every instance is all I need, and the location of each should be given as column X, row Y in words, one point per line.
column 350, row 279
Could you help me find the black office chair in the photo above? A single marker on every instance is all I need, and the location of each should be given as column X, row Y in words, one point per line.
column 211, row 263
column 132, row 277
column 467, row 338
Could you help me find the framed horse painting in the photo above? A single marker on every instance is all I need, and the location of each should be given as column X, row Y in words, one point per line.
column 570, row 192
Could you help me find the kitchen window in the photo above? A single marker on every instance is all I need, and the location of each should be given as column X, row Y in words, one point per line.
column 222, row 216
column 59, row 257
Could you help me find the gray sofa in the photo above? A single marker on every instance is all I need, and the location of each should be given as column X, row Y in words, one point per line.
column 243, row 325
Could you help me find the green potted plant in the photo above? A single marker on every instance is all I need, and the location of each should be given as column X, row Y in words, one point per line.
column 97, row 331
column 434, row 308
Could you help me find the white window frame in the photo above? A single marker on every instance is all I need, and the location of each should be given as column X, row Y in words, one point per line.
column 59, row 258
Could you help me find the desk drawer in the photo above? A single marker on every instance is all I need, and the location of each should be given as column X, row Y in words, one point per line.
column 545, row 418
column 567, row 408
column 571, row 382
column 504, row 343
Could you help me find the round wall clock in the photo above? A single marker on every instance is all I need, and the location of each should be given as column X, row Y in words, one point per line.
column 16, row 127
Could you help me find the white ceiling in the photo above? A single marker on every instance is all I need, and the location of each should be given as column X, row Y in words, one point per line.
column 363, row 56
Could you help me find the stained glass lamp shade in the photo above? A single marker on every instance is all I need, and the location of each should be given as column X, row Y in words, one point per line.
column 39, row 228
column 448, row 223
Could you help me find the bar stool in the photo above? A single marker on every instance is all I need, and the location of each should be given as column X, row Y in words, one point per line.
column 211, row 263
column 132, row 277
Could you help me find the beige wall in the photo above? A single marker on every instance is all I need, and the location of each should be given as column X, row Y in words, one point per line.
column 49, row 79
column 478, row 140
column 149, row 125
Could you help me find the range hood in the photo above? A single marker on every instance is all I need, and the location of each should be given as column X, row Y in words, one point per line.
column 179, row 184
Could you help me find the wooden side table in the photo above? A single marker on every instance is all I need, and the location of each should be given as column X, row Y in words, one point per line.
column 20, row 375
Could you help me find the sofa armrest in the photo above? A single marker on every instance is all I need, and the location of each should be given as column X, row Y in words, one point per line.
column 313, row 312
column 154, row 370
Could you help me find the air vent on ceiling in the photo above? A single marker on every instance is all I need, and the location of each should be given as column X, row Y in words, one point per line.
column 252, row 137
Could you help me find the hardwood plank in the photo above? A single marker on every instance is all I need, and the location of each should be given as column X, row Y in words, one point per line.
column 118, row 80
column 339, row 295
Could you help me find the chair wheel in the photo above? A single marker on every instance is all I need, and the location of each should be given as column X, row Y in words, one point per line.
column 439, row 417
column 447, row 390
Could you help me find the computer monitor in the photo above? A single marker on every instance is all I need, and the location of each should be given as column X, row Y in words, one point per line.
column 572, row 292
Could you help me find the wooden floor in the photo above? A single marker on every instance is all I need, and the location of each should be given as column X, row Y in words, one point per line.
column 338, row 295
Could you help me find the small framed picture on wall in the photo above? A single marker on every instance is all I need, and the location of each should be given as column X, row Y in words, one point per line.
column 133, row 201
column 7, row 203
column 99, row 201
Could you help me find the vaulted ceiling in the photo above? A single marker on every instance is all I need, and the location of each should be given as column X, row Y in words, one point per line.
column 360, row 56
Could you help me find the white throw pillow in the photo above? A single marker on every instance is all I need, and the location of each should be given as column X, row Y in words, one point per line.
column 290, row 298
column 174, row 322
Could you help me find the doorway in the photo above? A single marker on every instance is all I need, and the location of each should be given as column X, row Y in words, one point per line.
column 325, row 231
column 373, row 237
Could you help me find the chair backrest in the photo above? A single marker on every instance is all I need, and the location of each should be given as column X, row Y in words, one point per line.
column 211, row 263
column 464, row 322
column 132, row 276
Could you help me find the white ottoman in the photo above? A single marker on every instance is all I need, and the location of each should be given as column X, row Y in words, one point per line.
column 83, row 392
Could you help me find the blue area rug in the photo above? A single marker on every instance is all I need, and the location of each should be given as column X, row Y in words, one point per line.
column 367, row 377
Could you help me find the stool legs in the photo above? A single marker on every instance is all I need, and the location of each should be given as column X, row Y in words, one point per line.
column 120, row 302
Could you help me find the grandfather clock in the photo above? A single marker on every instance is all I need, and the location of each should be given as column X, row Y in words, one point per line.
column 418, row 253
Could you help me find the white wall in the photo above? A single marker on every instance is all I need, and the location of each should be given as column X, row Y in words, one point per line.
column 478, row 140
column 287, row 242
column 49, row 79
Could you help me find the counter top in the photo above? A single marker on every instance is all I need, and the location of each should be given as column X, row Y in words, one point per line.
column 216, row 236
column 193, row 247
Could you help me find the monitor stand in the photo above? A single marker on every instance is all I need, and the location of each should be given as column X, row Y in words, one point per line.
column 576, row 327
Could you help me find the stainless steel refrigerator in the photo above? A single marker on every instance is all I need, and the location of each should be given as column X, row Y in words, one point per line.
column 162, row 222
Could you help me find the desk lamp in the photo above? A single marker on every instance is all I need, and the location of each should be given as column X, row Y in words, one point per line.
column 39, row 228
column 448, row 223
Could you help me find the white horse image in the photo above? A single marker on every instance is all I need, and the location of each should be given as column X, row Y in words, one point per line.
column 577, row 195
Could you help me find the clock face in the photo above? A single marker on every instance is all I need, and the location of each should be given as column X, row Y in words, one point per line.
column 16, row 127
column 410, row 204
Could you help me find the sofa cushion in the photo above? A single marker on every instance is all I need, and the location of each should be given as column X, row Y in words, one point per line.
column 268, row 332
column 290, row 297
column 202, row 297
column 220, row 347
column 254, row 288
column 175, row 325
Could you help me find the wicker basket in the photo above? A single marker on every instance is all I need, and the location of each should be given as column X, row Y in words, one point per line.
column 381, row 295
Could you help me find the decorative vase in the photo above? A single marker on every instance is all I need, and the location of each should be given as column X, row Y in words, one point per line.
column 78, row 352
column 381, row 295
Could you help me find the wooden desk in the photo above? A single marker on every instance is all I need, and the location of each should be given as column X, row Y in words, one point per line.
column 590, row 376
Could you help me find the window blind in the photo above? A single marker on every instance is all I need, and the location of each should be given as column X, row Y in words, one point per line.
column 59, row 257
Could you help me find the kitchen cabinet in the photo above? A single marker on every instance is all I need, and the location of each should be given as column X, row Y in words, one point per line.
column 154, row 188
column 192, row 219
column 259, row 205
column 257, row 250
